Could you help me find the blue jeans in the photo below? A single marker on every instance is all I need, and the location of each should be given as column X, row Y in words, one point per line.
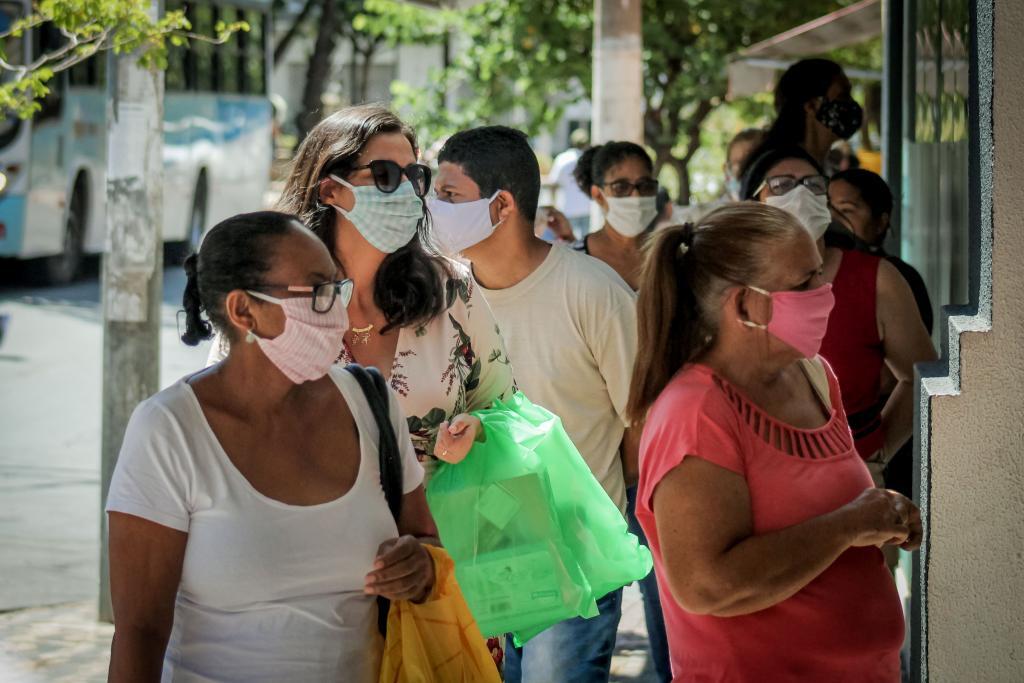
column 652, row 601
column 574, row 651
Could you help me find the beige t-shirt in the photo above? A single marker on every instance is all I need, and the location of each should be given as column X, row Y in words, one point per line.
column 570, row 331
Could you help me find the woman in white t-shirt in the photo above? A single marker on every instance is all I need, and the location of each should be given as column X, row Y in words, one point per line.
column 249, row 532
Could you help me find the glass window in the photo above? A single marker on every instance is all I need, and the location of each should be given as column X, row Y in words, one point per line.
column 229, row 57
column 203, row 20
column 255, row 55
column 175, row 79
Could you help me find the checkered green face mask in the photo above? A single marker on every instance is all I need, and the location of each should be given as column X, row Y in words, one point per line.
column 388, row 220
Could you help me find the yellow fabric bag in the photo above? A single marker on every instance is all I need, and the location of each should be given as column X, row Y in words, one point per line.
column 437, row 641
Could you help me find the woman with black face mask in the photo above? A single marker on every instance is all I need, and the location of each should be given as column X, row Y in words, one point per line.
column 814, row 108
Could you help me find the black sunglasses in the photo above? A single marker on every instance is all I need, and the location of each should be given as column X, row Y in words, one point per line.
column 387, row 175
column 645, row 187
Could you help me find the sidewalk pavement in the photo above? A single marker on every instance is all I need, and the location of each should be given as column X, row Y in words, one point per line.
column 65, row 644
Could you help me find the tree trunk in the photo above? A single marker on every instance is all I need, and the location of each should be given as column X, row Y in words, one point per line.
column 682, row 165
column 293, row 30
column 319, row 70
column 366, row 54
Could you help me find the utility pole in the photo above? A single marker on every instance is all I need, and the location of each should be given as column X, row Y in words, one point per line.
column 618, row 78
column 618, row 71
column 132, row 260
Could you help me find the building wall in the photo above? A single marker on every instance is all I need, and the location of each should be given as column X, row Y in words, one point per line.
column 975, row 557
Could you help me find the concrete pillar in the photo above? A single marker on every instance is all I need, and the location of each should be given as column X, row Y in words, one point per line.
column 618, row 71
column 132, row 261
column 973, row 568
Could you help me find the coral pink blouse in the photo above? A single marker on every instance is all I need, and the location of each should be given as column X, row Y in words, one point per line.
column 845, row 625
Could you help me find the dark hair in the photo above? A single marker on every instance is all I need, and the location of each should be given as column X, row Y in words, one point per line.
column 801, row 82
column 758, row 168
column 497, row 158
column 234, row 254
column 873, row 189
column 687, row 269
column 409, row 287
column 595, row 162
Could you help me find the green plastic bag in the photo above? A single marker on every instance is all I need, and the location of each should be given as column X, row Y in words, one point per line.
column 534, row 536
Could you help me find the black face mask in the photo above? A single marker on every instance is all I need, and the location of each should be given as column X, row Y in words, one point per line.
column 842, row 117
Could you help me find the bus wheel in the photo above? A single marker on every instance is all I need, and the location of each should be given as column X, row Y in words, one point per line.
column 62, row 268
column 177, row 252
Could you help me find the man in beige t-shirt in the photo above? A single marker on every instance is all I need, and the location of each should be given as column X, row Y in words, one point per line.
column 569, row 324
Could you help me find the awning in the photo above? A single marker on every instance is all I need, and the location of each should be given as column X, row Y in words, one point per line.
column 754, row 69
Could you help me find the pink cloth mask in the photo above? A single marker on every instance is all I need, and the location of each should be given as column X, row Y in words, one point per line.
column 799, row 319
column 311, row 341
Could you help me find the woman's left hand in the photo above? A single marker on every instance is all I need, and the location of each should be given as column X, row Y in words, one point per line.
column 455, row 439
column 403, row 570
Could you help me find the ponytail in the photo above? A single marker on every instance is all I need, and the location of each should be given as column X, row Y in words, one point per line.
column 583, row 174
column 595, row 162
column 668, row 318
column 196, row 328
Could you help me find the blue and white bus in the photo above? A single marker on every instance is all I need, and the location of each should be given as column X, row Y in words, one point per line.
column 217, row 141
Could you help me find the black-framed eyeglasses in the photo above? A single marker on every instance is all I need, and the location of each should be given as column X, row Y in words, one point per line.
column 387, row 175
column 645, row 187
column 322, row 295
column 779, row 185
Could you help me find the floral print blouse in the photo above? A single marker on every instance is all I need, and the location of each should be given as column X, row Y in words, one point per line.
column 454, row 364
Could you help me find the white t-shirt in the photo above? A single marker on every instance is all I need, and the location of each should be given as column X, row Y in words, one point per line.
column 269, row 591
column 570, row 200
column 570, row 331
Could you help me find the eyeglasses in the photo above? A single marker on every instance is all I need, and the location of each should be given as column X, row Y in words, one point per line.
column 645, row 187
column 322, row 295
column 387, row 175
column 779, row 185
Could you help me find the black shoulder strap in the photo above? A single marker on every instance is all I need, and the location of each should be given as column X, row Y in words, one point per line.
column 375, row 388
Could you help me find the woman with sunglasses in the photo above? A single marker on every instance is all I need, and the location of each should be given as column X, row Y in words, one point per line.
column 249, row 534
column 415, row 314
column 619, row 176
column 875, row 323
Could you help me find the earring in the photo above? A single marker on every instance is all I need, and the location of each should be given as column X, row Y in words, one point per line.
column 250, row 337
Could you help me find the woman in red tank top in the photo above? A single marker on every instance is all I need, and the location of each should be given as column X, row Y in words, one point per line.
column 762, row 518
column 874, row 324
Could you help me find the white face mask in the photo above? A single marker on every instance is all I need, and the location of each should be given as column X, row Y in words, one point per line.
column 458, row 227
column 631, row 216
column 809, row 208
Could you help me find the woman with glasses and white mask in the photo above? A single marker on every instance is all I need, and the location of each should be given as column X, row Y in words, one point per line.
column 619, row 176
column 249, row 533
column 875, row 322
column 415, row 315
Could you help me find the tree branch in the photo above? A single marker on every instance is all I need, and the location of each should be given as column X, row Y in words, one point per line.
column 293, row 30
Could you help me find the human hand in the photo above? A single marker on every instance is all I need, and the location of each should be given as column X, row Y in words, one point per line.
column 456, row 438
column 882, row 517
column 403, row 570
column 559, row 225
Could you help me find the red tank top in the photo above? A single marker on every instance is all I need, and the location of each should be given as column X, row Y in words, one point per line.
column 854, row 350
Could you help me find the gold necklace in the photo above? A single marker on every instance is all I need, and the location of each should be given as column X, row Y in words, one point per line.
column 361, row 335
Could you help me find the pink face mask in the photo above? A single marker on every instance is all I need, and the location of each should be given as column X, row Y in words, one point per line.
column 311, row 341
column 799, row 319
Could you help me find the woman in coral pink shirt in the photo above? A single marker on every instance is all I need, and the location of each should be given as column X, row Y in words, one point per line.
column 763, row 521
